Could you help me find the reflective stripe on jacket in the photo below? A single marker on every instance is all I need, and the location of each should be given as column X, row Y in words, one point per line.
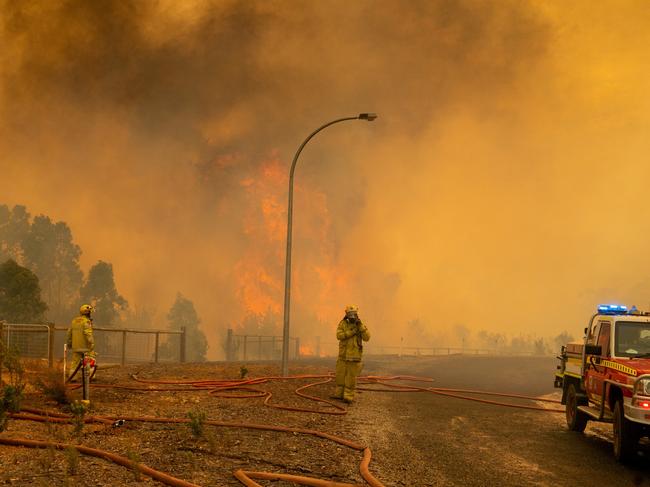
column 351, row 337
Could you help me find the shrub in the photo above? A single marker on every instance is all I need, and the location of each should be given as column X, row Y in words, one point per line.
column 11, row 397
column 72, row 460
column 11, row 392
column 197, row 422
column 53, row 386
column 10, row 361
column 243, row 372
column 47, row 458
column 78, row 410
column 135, row 460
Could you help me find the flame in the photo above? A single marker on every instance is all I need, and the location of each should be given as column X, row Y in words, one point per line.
column 317, row 277
column 306, row 351
column 266, row 214
column 259, row 285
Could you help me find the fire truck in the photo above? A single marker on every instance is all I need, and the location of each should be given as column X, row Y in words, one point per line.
column 606, row 377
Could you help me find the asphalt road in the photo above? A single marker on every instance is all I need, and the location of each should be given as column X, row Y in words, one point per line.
column 421, row 439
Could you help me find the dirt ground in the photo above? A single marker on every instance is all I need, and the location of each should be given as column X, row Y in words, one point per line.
column 417, row 439
column 209, row 459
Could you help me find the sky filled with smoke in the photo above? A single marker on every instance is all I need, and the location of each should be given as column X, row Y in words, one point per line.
column 503, row 186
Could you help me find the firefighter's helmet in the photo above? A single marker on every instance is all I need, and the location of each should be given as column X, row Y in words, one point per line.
column 85, row 310
column 351, row 309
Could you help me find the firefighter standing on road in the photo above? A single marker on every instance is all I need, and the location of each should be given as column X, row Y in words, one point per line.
column 351, row 333
column 80, row 337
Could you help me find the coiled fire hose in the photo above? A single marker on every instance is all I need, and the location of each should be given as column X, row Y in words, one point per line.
column 245, row 389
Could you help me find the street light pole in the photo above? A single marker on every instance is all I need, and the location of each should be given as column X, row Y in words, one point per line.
column 287, row 277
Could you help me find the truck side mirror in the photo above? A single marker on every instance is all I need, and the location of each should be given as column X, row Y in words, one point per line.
column 593, row 350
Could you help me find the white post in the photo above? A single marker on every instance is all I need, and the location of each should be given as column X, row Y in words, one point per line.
column 65, row 361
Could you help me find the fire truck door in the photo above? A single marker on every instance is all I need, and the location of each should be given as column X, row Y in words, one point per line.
column 597, row 373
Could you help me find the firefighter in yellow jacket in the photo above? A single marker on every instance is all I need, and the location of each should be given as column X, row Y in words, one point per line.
column 351, row 333
column 80, row 337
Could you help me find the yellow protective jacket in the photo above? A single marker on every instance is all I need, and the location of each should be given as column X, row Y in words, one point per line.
column 80, row 334
column 351, row 337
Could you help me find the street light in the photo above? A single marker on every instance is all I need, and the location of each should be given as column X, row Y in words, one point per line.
column 287, row 278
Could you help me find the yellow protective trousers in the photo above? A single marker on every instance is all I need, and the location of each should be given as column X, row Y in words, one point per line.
column 76, row 359
column 347, row 372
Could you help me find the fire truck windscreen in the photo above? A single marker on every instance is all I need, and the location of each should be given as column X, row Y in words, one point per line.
column 632, row 339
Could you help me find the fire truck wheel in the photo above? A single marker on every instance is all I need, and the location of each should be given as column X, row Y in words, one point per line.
column 625, row 434
column 576, row 420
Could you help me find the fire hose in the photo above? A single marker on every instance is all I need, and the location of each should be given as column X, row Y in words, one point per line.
column 120, row 460
column 229, row 388
column 33, row 414
column 462, row 394
column 217, row 386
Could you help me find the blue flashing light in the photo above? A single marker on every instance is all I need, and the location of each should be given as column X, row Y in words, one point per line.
column 612, row 309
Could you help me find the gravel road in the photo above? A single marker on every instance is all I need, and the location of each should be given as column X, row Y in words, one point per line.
column 428, row 440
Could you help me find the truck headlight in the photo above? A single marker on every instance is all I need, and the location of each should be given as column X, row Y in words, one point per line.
column 643, row 387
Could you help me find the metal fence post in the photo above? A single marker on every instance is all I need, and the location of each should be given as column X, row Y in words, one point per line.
column 229, row 345
column 273, row 348
column 297, row 354
column 157, row 343
column 183, row 344
column 50, row 344
column 123, row 347
column 85, row 377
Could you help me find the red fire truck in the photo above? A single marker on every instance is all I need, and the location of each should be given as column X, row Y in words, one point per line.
column 606, row 377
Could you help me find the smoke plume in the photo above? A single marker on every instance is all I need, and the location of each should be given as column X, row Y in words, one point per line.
column 502, row 187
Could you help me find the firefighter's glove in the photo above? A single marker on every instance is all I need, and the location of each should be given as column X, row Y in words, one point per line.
column 351, row 333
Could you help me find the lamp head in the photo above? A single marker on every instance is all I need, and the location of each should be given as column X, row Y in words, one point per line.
column 367, row 116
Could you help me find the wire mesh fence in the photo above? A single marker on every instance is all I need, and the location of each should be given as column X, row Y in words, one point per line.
column 29, row 341
column 258, row 347
column 330, row 349
column 122, row 345
column 112, row 345
column 425, row 351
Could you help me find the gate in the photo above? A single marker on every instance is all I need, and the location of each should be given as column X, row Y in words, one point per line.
column 30, row 341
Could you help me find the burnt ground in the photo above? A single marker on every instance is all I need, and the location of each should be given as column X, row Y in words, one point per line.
column 417, row 439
